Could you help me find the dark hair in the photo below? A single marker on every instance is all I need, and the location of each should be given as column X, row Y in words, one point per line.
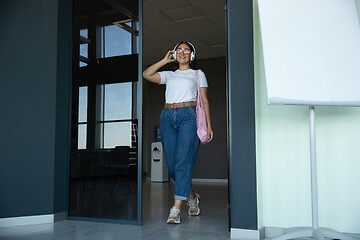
column 192, row 63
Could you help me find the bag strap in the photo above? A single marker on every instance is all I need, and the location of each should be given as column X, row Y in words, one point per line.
column 199, row 99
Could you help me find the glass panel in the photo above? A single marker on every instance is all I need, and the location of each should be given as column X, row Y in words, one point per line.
column 104, row 182
column 82, row 136
column 117, row 134
column 83, row 100
column 82, row 64
column 117, row 41
column 84, row 33
column 83, row 47
column 84, row 50
column 118, row 101
column 84, row 53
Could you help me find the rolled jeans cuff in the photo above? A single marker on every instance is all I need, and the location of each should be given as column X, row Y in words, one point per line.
column 180, row 198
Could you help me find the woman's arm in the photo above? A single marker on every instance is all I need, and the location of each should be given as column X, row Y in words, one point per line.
column 151, row 73
column 203, row 92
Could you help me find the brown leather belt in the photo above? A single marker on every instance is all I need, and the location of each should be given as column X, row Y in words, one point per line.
column 180, row 105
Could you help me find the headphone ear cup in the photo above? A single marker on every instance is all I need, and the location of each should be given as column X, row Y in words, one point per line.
column 192, row 56
column 174, row 55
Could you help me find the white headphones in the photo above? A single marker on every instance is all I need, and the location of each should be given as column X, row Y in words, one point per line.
column 192, row 55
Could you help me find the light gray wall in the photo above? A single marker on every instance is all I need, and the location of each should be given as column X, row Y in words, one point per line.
column 212, row 159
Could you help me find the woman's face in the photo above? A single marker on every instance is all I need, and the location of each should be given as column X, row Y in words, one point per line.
column 183, row 52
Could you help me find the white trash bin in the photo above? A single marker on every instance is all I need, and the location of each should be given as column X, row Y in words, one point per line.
column 159, row 171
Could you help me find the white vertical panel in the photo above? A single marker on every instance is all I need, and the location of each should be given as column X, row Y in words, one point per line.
column 311, row 51
column 358, row 8
column 283, row 171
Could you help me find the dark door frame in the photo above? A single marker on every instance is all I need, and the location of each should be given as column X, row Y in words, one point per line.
column 241, row 115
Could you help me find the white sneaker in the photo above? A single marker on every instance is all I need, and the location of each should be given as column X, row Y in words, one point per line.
column 174, row 216
column 193, row 204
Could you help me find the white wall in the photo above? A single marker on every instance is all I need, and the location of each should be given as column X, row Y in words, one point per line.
column 358, row 8
column 283, row 165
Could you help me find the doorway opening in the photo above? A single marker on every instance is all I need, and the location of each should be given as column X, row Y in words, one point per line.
column 201, row 22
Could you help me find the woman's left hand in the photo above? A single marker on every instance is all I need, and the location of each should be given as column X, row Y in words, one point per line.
column 210, row 135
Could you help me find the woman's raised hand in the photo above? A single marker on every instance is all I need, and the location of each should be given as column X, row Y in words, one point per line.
column 168, row 57
column 151, row 73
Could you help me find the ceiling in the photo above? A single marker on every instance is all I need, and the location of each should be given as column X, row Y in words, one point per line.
column 167, row 22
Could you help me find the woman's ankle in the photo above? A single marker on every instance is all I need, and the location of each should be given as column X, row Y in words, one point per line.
column 192, row 195
column 177, row 203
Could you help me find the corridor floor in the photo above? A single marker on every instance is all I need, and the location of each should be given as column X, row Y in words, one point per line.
column 211, row 224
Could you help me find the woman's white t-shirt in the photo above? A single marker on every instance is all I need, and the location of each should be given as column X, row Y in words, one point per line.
column 181, row 86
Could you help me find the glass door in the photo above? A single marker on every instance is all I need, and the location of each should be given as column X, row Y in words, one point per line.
column 105, row 163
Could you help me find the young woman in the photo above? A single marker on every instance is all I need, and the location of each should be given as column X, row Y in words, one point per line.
column 178, row 122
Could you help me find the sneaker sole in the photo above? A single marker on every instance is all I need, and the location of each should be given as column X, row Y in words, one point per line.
column 194, row 214
column 173, row 221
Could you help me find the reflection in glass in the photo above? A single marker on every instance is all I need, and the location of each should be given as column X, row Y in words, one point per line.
column 117, row 134
column 82, row 136
column 84, row 50
column 117, row 41
column 104, row 165
column 84, row 53
column 103, row 184
column 82, row 64
column 118, row 98
column 83, row 47
column 84, row 33
column 83, row 99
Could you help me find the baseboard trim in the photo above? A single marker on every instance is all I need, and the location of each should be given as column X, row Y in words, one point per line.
column 32, row 220
column 272, row 232
column 199, row 180
column 206, row 180
column 61, row 216
column 237, row 233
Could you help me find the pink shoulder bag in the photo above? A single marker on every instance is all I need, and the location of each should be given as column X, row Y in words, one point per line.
column 200, row 116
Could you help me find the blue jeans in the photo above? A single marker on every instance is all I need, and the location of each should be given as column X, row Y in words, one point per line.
column 180, row 143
